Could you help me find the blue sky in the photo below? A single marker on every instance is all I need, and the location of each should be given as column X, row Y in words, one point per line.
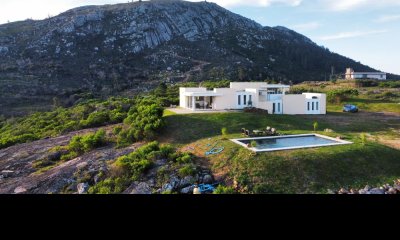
column 364, row 30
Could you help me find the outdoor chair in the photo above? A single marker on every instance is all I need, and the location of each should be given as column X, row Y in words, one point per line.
column 273, row 131
column 243, row 130
column 247, row 133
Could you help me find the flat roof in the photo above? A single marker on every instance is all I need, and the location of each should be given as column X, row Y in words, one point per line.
column 275, row 86
column 202, row 94
column 370, row 73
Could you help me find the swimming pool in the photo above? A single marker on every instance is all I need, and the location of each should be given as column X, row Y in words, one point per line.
column 269, row 144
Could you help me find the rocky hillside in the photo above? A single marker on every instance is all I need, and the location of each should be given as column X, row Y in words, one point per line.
column 108, row 49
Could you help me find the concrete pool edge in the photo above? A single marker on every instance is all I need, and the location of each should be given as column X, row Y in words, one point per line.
column 337, row 142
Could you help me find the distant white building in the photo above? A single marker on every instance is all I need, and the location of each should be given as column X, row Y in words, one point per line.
column 350, row 74
column 271, row 97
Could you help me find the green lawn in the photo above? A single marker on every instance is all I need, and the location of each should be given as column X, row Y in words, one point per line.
column 298, row 171
column 368, row 105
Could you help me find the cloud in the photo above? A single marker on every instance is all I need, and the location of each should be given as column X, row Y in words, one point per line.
column 345, row 5
column 306, row 26
column 387, row 18
column 354, row 34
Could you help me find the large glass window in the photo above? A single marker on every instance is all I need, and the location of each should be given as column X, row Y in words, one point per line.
column 244, row 99
column 317, row 106
column 239, row 100
column 308, row 106
column 313, row 106
column 279, row 107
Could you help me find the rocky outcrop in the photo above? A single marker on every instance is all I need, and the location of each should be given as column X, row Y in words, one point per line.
column 385, row 189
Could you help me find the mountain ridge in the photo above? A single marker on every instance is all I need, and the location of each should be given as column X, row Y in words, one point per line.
column 111, row 48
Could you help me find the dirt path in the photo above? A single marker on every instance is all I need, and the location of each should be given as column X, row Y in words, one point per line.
column 197, row 68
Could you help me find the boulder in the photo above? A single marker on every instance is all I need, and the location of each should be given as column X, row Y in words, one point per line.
column 367, row 188
column 141, row 188
column 362, row 191
column 392, row 191
column 19, row 190
column 187, row 190
column 7, row 173
column 174, row 182
column 167, row 187
column 82, row 188
column 343, row 191
column 207, row 179
column 377, row 191
column 188, row 180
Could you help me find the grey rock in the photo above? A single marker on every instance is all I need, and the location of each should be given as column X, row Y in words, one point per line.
column 141, row 188
column 343, row 191
column 167, row 187
column 362, row 191
column 207, row 179
column 367, row 188
column 19, row 190
column 187, row 190
column 188, row 180
column 82, row 188
column 392, row 191
column 377, row 191
column 174, row 182
column 7, row 173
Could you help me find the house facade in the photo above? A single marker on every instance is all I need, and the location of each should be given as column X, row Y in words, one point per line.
column 350, row 74
column 270, row 97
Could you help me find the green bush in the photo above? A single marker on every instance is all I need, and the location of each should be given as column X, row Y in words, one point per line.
column 110, row 186
column 184, row 158
column 224, row 190
column 315, row 126
column 187, row 170
column 253, row 144
column 339, row 95
column 63, row 120
column 363, row 138
column 85, row 143
column 224, row 131
column 144, row 120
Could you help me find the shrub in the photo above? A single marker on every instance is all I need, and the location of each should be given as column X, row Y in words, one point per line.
column 187, row 170
column 184, row 158
column 224, row 131
column 315, row 126
column 253, row 144
column 363, row 138
column 110, row 186
column 117, row 130
column 224, row 190
column 339, row 95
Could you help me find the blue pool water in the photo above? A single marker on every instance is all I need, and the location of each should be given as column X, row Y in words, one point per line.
column 290, row 142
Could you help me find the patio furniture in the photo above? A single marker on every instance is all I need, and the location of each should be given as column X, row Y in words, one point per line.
column 258, row 132
column 243, row 131
column 247, row 133
column 273, row 131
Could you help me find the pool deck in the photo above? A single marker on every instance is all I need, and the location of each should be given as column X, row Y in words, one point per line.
column 338, row 142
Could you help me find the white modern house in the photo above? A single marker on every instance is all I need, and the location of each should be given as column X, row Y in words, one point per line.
column 270, row 97
column 350, row 74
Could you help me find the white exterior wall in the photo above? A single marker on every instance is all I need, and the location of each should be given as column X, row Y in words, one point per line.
column 360, row 75
column 289, row 104
column 227, row 100
column 294, row 104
